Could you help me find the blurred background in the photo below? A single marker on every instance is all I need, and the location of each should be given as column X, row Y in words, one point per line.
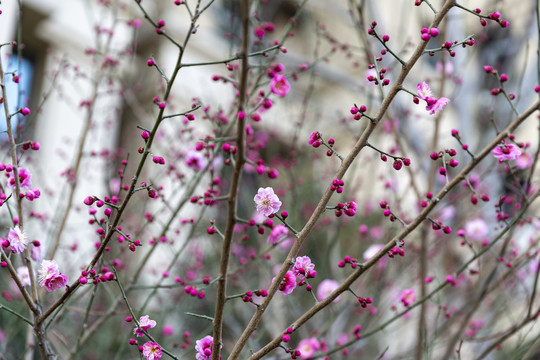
column 83, row 72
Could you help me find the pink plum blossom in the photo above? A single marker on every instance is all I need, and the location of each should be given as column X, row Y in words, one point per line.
column 24, row 275
column 302, row 267
column 524, row 161
column 24, row 178
column 167, row 330
column 433, row 105
column 266, row 201
column 476, row 229
column 408, row 296
column 50, row 276
column 308, row 347
column 17, row 240
column 204, row 348
column 279, row 85
column 278, row 233
column 288, row 283
column 32, row 194
column 151, row 351
column 424, row 91
column 144, row 323
column 326, row 287
column 196, row 160
column 439, row 104
column 506, row 152
column 371, row 251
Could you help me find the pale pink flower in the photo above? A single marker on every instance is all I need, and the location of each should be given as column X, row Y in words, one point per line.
column 196, row 160
column 279, row 85
column 476, row 229
column 266, row 201
column 438, row 105
column 326, row 287
column 372, row 251
column 151, row 351
column 24, row 275
column 524, row 161
column 32, row 194
column 167, row 330
column 302, row 267
column 288, row 283
column 308, row 347
column 144, row 323
column 424, row 91
column 204, row 348
column 50, row 276
column 433, row 105
column 408, row 296
column 17, row 240
column 278, row 233
column 24, row 178
column 448, row 67
column 506, row 152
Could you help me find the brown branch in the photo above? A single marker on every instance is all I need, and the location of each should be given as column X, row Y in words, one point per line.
column 232, row 200
column 306, row 230
column 404, row 233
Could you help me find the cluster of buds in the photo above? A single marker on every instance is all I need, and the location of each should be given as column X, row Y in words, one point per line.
column 349, row 208
column 375, row 80
column 96, row 278
column 33, row 145
column 159, row 28
column 358, row 112
column 357, row 329
column 287, row 335
column 386, row 211
column 248, row 296
column 229, row 149
column 337, row 185
column 158, row 160
column 396, row 251
column 398, row 163
column 440, row 155
column 192, row 290
column 495, row 16
column 427, row 34
column 295, row 353
column 162, row 105
column 502, row 79
column 438, row 225
column 501, row 215
column 364, row 302
column 348, row 260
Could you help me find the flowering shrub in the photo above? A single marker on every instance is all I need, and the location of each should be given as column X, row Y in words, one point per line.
column 242, row 206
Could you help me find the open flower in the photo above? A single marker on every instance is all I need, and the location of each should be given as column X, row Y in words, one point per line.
column 288, row 283
column 326, row 287
column 151, row 351
column 24, row 275
column 302, row 267
column 204, row 348
column 24, row 178
column 308, row 347
column 278, row 233
column 50, row 276
column 506, row 152
column 476, row 229
column 279, row 85
column 408, row 296
column 17, row 240
column 433, row 105
column 144, row 323
column 267, row 202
